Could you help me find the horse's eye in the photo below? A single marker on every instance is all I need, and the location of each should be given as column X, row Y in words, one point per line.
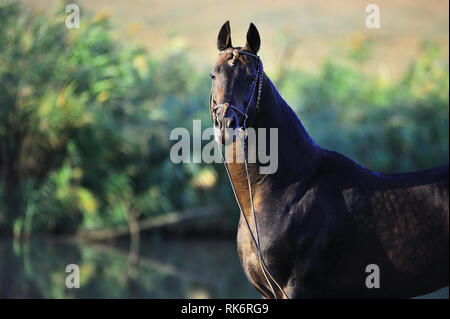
column 212, row 76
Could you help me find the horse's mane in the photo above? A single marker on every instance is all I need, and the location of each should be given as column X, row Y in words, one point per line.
column 289, row 117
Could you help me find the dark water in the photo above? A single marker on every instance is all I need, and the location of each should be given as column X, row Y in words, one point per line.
column 162, row 269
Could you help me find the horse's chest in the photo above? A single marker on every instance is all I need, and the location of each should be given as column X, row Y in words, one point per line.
column 248, row 256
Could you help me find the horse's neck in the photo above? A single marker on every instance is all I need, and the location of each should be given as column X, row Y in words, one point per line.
column 297, row 154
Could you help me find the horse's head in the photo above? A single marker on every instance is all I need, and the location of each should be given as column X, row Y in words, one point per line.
column 236, row 83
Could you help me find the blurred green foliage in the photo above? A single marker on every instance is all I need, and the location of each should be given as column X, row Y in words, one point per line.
column 84, row 125
column 385, row 125
column 85, row 122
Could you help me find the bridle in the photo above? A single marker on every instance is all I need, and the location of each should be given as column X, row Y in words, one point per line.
column 257, row 81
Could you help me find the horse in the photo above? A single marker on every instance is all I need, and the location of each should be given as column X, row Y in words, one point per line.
column 324, row 220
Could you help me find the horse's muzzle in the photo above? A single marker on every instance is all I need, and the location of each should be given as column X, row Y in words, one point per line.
column 225, row 123
column 225, row 116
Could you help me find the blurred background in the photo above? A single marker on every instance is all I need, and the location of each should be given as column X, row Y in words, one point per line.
column 85, row 117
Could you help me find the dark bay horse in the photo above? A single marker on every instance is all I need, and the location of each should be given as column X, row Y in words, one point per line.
column 322, row 218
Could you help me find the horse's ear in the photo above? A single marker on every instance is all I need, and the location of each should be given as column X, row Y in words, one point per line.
column 224, row 37
column 253, row 39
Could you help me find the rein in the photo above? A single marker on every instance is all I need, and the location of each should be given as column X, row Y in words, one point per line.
column 258, row 79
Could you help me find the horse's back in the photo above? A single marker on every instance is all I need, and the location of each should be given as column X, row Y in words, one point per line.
column 423, row 177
